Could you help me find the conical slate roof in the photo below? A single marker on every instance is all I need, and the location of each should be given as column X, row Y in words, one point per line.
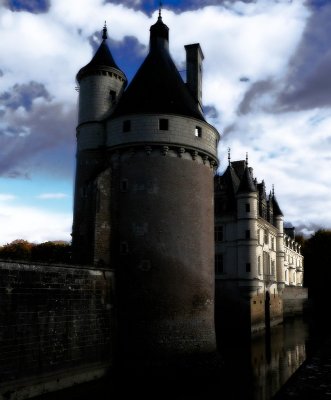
column 231, row 179
column 157, row 87
column 102, row 58
column 276, row 208
column 247, row 184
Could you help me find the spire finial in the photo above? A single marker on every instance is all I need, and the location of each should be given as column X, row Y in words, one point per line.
column 246, row 159
column 160, row 9
column 273, row 190
column 104, row 31
column 229, row 155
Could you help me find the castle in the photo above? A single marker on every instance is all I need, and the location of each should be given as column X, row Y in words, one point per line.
column 142, row 287
column 146, row 160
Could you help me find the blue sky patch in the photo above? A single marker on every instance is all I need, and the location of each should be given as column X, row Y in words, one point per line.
column 33, row 6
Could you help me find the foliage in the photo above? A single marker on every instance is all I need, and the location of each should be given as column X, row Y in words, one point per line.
column 57, row 252
column 317, row 264
column 17, row 250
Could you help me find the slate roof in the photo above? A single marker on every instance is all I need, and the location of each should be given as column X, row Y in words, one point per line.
column 276, row 208
column 239, row 167
column 157, row 87
column 102, row 58
column 247, row 184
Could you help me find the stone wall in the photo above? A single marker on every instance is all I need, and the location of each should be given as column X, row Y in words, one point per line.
column 295, row 298
column 54, row 320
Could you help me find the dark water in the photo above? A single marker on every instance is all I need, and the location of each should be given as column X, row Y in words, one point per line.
column 258, row 369
column 246, row 370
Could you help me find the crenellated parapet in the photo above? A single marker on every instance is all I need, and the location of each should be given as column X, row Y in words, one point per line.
column 154, row 150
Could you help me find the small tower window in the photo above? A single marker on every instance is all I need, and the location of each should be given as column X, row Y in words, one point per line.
column 247, row 234
column 248, row 267
column 219, row 265
column 163, row 124
column 198, row 131
column 219, row 233
column 248, row 207
column 127, row 125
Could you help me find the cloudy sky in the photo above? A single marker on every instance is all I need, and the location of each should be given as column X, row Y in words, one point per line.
column 267, row 89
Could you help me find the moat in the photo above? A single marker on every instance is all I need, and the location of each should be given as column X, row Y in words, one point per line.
column 268, row 361
column 253, row 370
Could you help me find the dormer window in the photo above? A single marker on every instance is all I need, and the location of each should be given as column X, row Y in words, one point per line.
column 163, row 124
column 198, row 131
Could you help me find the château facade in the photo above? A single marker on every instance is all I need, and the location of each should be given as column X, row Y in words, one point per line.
column 256, row 258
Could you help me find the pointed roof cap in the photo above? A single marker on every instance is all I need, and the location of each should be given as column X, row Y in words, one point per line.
column 226, row 186
column 102, row 59
column 157, row 87
column 247, row 184
column 275, row 205
column 158, row 30
column 231, row 179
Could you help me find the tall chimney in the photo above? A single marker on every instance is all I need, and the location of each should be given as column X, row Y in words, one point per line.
column 194, row 58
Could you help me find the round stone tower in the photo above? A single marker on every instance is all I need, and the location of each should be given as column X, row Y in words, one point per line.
column 163, row 157
column 145, row 167
column 101, row 83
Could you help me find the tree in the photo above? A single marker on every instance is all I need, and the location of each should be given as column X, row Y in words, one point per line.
column 52, row 252
column 48, row 252
column 19, row 249
column 317, row 253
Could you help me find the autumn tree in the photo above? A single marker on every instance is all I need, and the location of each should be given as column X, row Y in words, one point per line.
column 48, row 252
column 17, row 250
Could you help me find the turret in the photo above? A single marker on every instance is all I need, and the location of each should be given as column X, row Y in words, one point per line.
column 279, row 223
column 101, row 83
column 247, row 213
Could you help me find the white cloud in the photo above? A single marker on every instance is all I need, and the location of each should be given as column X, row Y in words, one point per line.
column 34, row 225
column 47, row 196
column 7, row 197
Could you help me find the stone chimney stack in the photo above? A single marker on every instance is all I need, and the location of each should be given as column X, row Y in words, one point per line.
column 194, row 58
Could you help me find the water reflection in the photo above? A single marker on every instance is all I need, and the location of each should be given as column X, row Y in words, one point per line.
column 269, row 359
column 250, row 370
